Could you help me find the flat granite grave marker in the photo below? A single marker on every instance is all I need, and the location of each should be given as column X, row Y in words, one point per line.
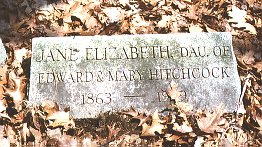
column 95, row 74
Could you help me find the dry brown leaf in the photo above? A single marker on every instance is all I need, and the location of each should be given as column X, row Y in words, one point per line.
column 54, row 133
column 258, row 115
column 143, row 119
column 209, row 124
column 173, row 137
column 129, row 139
column 249, row 57
column 3, row 72
column 125, row 26
column 21, row 54
column 75, row 6
column 195, row 29
column 187, row 1
column 192, row 13
column 152, row 2
column 135, row 115
column 164, row 22
column 181, row 5
column 38, row 136
column 209, row 29
column 138, row 21
column 258, row 22
column 88, row 142
column 132, row 112
column 124, row 2
column 11, row 134
column 18, row 91
column 250, row 2
column 239, row 18
column 258, row 65
column 91, row 23
column 185, row 107
column 235, row 137
column 50, row 107
column 199, row 142
column 147, row 131
column 156, row 126
column 61, row 118
column 114, row 14
column 25, row 132
column 4, row 116
column 67, row 141
column 184, row 128
column 112, row 132
column 259, row 121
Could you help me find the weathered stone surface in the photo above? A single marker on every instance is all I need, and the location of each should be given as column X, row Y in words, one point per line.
column 96, row 74
column 2, row 53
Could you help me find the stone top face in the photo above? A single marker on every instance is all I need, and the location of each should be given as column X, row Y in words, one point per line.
column 2, row 53
column 95, row 74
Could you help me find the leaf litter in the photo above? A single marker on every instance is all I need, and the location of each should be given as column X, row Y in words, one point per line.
column 24, row 123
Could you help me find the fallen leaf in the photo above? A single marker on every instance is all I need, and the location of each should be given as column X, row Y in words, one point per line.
column 4, row 117
column 91, row 23
column 138, row 21
column 250, row 2
column 61, row 119
column 209, row 29
column 195, row 29
column 209, row 124
column 25, row 132
column 112, row 132
column 18, row 91
column 184, row 128
column 156, row 126
column 88, row 142
column 124, row 2
column 152, row 2
column 125, row 26
column 239, row 20
column 192, row 14
column 249, row 58
column 258, row 65
column 199, row 142
column 258, row 115
column 38, row 136
column 114, row 14
column 164, row 22
column 50, row 107
column 142, row 119
column 3, row 73
column 132, row 112
column 181, row 5
column 67, row 141
column 185, row 107
column 176, row 138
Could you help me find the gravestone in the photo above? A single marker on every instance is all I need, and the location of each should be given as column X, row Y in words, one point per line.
column 2, row 53
column 95, row 74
